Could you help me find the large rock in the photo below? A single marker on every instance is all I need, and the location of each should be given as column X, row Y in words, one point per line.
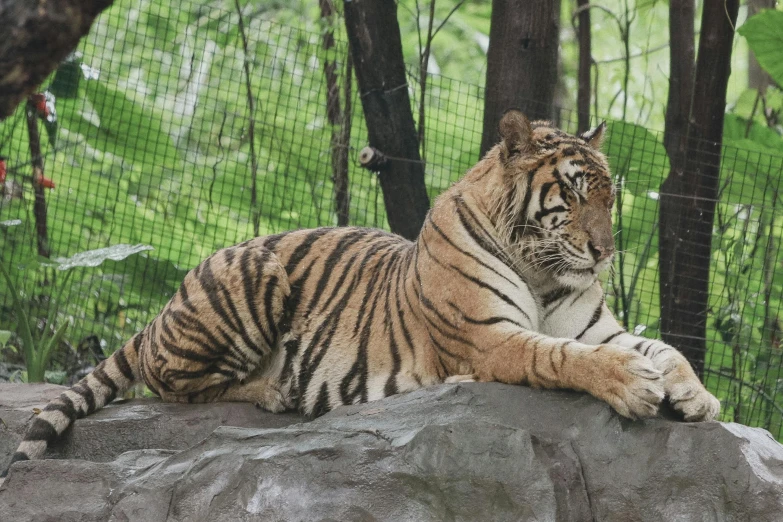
column 452, row 452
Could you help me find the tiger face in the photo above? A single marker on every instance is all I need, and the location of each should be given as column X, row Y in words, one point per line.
column 559, row 197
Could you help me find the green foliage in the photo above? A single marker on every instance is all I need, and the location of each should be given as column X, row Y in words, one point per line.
column 765, row 38
column 38, row 349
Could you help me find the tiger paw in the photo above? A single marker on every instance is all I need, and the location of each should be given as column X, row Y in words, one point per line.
column 271, row 400
column 628, row 382
column 692, row 400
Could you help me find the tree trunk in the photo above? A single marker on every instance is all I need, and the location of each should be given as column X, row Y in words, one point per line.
column 758, row 78
column 39, row 205
column 585, row 63
column 521, row 62
column 37, row 35
column 339, row 118
column 374, row 37
column 682, row 57
column 689, row 193
column 682, row 52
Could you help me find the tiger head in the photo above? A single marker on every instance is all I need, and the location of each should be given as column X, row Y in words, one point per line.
column 553, row 198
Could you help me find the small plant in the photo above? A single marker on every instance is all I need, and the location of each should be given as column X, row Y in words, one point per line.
column 38, row 349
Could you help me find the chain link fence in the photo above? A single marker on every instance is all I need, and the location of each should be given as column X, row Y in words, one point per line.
column 156, row 142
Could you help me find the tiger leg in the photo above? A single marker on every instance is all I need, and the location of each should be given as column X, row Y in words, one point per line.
column 220, row 327
column 111, row 378
column 626, row 380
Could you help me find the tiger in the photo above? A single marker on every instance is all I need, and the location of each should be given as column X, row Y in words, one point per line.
column 500, row 285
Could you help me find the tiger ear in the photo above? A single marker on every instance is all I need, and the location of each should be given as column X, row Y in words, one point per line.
column 515, row 130
column 595, row 137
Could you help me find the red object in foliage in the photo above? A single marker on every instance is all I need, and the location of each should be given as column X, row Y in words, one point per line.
column 3, row 170
column 39, row 100
column 46, row 182
column 43, row 181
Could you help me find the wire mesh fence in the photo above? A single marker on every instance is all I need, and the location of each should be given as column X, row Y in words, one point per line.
column 156, row 143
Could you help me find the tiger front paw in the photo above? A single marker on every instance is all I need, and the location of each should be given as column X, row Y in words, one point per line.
column 628, row 382
column 692, row 400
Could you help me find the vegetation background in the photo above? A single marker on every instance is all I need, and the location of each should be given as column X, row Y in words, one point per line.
column 156, row 143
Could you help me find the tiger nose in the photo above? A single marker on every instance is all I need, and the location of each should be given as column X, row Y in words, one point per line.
column 600, row 252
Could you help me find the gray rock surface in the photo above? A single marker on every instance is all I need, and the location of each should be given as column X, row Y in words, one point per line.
column 453, row 452
column 124, row 425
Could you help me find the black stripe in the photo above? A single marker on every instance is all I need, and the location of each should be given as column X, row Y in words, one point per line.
column 340, row 249
column 534, row 365
column 190, row 328
column 552, row 296
column 251, row 289
column 638, row 345
column 466, row 253
column 394, row 351
column 359, row 370
column 41, row 430
column 305, row 245
column 210, row 286
column 368, row 254
column 612, row 337
column 64, row 405
column 100, row 374
column 185, row 298
column 296, row 288
column 322, row 402
column 370, row 290
column 555, row 371
column 84, row 390
column 441, row 349
column 450, row 336
column 594, row 319
column 528, row 193
column 214, row 289
column 17, row 457
column 269, row 298
column 486, row 243
column 122, row 360
column 291, row 349
column 271, row 242
column 542, row 195
column 404, row 261
column 488, row 321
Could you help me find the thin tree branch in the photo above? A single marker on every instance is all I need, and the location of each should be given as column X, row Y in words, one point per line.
column 251, row 131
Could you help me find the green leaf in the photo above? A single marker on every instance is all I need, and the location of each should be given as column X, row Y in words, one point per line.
column 5, row 336
column 750, row 165
column 637, row 156
column 91, row 258
column 764, row 33
column 46, row 352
